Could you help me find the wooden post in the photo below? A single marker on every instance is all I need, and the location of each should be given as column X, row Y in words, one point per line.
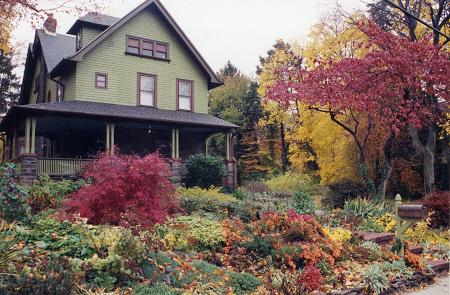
column 108, row 133
column 175, row 144
column 14, row 145
column 112, row 144
column 229, row 146
column 33, row 136
column 27, row 135
column 206, row 146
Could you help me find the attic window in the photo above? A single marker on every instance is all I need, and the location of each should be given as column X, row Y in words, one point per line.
column 147, row 48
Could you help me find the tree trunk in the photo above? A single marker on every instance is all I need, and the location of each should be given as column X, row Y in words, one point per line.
column 271, row 141
column 387, row 167
column 428, row 171
column 427, row 151
column 284, row 150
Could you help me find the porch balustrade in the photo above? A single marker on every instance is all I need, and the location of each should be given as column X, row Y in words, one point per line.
column 60, row 167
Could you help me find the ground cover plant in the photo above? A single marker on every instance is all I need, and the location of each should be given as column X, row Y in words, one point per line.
column 213, row 243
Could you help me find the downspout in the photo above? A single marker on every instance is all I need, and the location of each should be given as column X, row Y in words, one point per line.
column 63, row 87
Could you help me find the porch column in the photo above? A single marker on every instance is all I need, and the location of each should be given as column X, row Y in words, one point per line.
column 175, row 144
column 28, row 160
column 27, row 135
column 230, row 163
column 33, row 136
column 175, row 155
column 14, row 145
column 206, row 146
column 229, row 144
column 110, row 127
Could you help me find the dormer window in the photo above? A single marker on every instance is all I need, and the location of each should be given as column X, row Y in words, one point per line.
column 147, row 48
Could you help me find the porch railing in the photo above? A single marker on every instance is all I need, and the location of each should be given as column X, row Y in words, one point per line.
column 60, row 167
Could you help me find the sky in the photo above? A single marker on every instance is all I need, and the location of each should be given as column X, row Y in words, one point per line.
column 222, row 30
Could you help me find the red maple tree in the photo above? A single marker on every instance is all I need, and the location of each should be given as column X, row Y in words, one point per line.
column 125, row 189
column 397, row 84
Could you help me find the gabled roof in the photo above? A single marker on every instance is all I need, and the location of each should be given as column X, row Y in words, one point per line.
column 94, row 19
column 120, row 112
column 214, row 81
column 55, row 48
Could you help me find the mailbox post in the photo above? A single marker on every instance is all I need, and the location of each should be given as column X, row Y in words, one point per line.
column 406, row 215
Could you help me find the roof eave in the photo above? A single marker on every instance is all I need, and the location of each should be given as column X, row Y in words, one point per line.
column 79, row 22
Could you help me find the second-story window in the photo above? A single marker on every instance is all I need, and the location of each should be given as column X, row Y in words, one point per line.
column 101, row 80
column 147, row 48
column 133, row 45
column 146, row 90
column 185, row 95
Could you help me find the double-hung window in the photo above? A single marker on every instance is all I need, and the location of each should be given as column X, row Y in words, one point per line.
column 185, row 94
column 146, row 90
column 101, row 80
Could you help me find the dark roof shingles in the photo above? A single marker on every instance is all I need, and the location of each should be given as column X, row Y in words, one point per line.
column 129, row 112
column 99, row 19
column 55, row 48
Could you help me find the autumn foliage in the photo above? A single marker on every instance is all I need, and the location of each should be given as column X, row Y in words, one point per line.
column 398, row 82
column 125, row 189
column 439, row 204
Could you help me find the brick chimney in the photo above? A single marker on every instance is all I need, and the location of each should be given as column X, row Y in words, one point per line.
column 50, row 25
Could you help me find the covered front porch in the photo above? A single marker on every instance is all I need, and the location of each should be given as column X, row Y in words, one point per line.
column 61, row 143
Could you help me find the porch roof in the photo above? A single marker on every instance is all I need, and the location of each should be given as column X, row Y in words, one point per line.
column 119, row 112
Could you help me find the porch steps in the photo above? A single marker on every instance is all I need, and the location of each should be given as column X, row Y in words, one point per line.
column 439, row 266
column 379, row 238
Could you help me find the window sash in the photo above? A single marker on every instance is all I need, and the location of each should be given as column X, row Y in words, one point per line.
column 147, row 90
column 185, row 89
column 101, row 81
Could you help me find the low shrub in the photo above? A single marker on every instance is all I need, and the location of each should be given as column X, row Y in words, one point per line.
column 243, row 283
column 291, row 182
column 375, row 280
column 359, row 209
column 338, row 234
column 338, row 193
column 439, row 204
column 212, row 202
column 155, row 289
column 187, row 233
column 263, row 202
column 125, row 189
column 398, row 269
column 304, row 202
column 62, row 238
column 422, row 232
column 52, row 276
column 13, row 197
column 255, row 187
column 203, row 171
column 311, row 278
column 48, row 194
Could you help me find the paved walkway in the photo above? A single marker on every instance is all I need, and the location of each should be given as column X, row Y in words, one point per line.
column 438, row 288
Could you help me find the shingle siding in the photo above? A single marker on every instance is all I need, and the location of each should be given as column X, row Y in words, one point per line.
column 88, row 34
column 108, row 57
column 69, row 82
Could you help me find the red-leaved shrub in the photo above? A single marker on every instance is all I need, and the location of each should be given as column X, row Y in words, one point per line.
column 311, row 278
column 125, row 189
column 439, row 203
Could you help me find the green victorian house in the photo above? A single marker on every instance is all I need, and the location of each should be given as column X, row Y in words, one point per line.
column 136, row 83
